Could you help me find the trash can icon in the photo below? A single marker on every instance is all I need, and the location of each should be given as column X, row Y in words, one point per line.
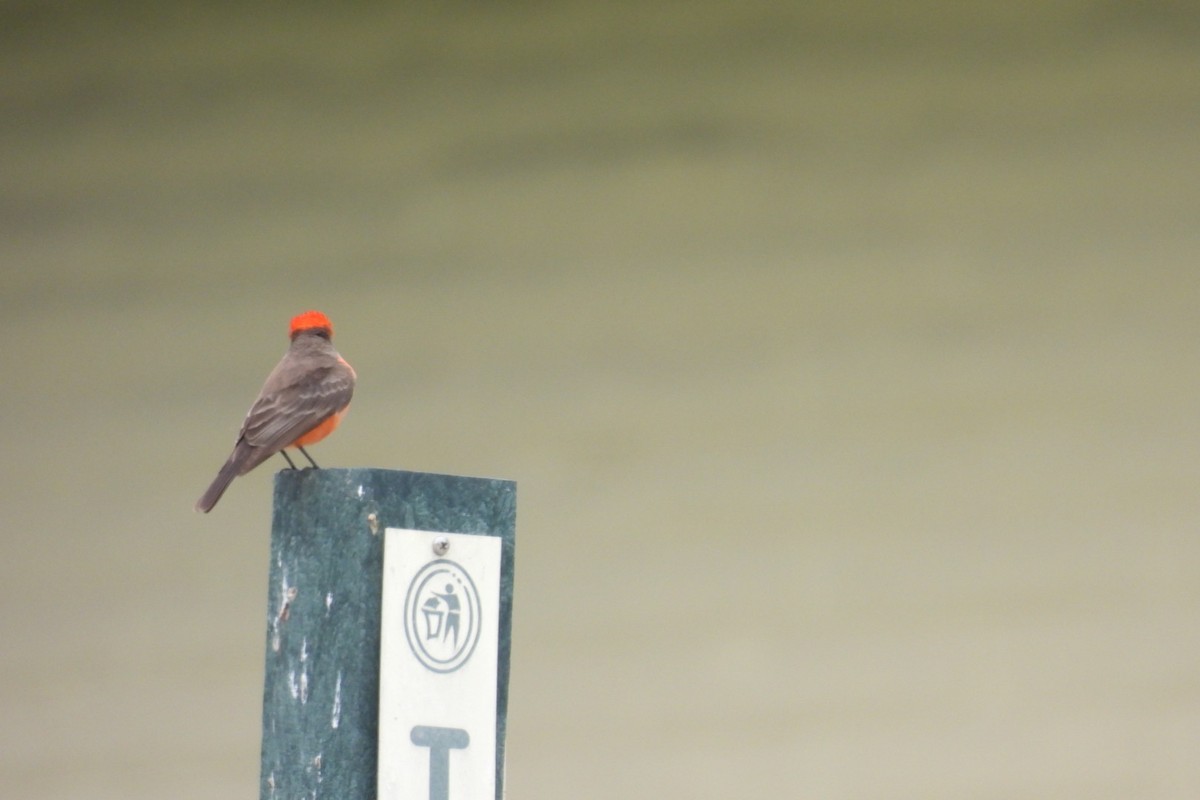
column 434, row 617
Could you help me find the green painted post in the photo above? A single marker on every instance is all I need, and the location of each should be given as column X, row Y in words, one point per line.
column 321, row 690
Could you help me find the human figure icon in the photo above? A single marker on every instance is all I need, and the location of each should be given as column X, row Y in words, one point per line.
column 453, row 612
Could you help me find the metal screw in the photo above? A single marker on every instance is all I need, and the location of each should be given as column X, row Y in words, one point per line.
column 440, row 545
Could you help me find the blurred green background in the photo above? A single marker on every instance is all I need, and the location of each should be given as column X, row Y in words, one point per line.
column 845, row 355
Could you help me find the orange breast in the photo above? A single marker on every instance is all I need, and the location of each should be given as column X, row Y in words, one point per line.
column 320, row 432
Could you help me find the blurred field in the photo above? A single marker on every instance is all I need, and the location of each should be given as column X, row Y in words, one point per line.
column 845, row 358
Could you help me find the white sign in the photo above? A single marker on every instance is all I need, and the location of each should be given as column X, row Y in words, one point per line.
column 438, row 655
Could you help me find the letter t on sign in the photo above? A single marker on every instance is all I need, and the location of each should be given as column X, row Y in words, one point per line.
column 440, row 742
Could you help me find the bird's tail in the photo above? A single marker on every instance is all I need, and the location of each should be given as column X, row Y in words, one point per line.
column 219, row 485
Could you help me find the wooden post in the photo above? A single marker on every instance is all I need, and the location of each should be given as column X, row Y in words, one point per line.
column 321, row 690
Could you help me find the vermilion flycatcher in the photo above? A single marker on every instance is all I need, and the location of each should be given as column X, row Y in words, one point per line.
column 302, row 401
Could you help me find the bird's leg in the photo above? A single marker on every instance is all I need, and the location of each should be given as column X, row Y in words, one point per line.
column 288, row 458
column 306, row 455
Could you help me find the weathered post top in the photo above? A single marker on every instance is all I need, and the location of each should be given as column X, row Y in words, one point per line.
column 321, row 691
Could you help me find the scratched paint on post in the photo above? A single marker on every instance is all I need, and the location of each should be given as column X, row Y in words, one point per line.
column 438, row 655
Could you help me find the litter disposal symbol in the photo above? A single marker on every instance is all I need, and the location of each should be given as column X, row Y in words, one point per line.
column 441, row 615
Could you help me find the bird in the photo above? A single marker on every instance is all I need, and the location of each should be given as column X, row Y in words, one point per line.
column 301, row 402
